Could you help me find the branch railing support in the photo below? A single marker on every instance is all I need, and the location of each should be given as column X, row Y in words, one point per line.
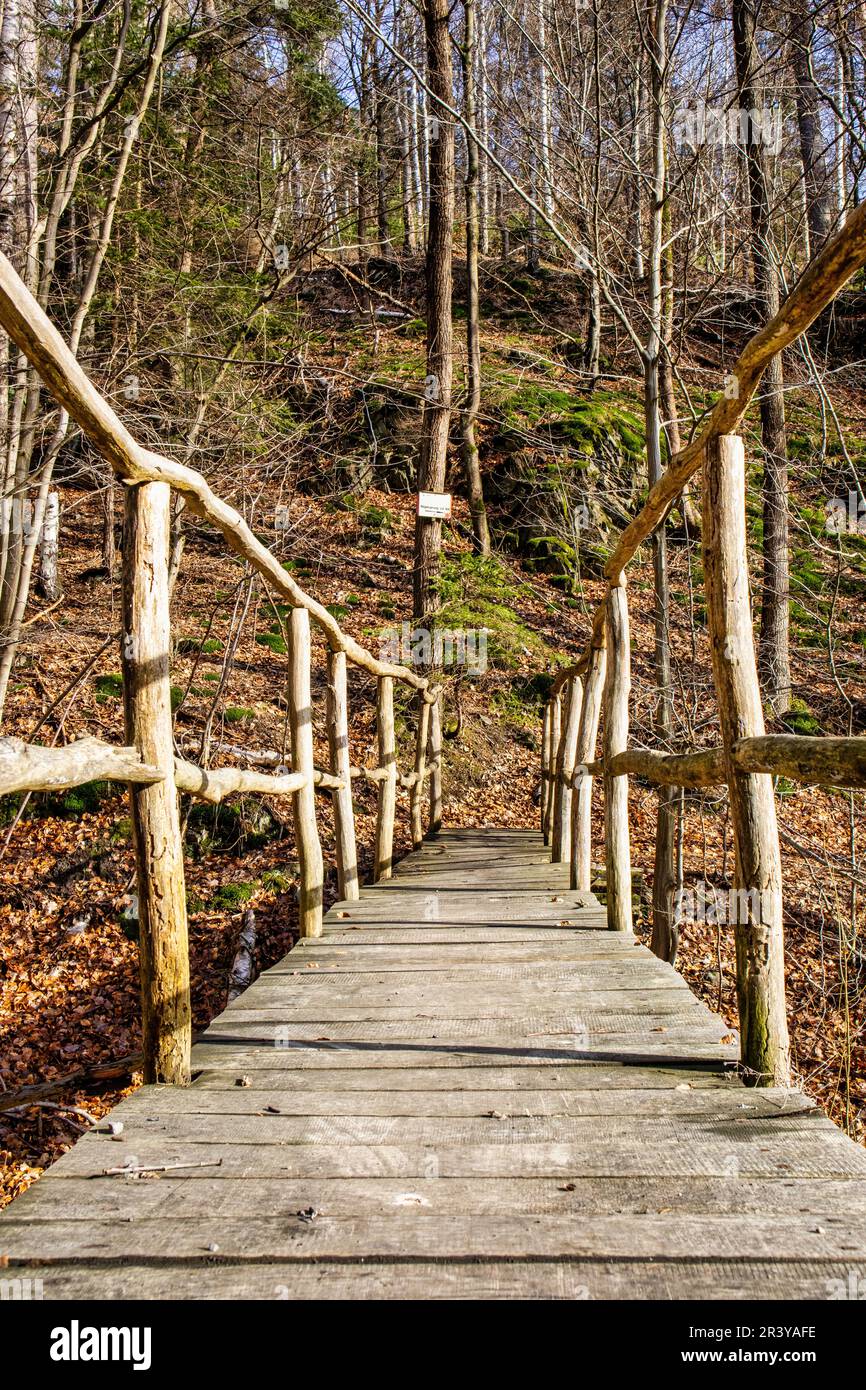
column 434, row 753
column 555, row 721
column 387, row 746
column 416, row 795
column 764, row 1047
column 564, row 771
column 145, row 658
column 581, row 807
column 304, row 801
column 617, row 688
column 546, row 731
column 337, row 718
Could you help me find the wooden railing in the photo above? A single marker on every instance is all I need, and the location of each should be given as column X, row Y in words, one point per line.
column 748, row 757
column 148, row 763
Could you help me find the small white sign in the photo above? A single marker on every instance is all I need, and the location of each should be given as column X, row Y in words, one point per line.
column 434, row 504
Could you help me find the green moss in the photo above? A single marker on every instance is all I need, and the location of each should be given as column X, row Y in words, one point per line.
column 78, row 801
column 109, row 687
column 233, row 895
column 586, row 423
column 191, row 646
column 800, row 719
column 477, row 595
column 274, row 641
column 177, row 693
column 121, row 832
column 237, row 714
column 10, row 806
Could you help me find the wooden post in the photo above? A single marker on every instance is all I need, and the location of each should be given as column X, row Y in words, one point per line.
column 564, row 772
column 758, row 876
column 617, row 688
column 383, row 865
column 435, row 758
column 416, row 796
column 581, row 806
column 304, row 801
column 555, row 730
column 338, row 743
column 545, row 771
column 145, row 648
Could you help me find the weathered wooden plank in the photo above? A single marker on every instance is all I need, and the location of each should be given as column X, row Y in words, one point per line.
column 173, row 1198
column 345, row 1079
column 815, row 1156
column 567, row 1033
column 246, row 1049
column 581, row 1023
column 592, row 1133
column 411, row 1233
column 311, row 1000
column 502, row 1280
column 720, row 1102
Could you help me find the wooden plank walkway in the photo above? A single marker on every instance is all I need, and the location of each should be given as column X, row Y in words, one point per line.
column 467, row 1088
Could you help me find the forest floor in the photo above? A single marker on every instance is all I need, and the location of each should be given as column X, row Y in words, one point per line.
column 68, row 953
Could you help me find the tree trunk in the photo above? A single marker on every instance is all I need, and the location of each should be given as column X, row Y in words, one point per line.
column 664, row 874
column 818, row 182
column 471, row 463
column 437, row 394
column 774, row 657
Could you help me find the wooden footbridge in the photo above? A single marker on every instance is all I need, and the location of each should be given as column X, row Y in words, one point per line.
column 468, row 1080
column 466, row 1087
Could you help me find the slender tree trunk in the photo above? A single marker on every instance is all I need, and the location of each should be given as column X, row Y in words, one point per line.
column 483, row 102
column 818, row 183
column 437, row 391
column 471, row 463
column 664, row 939
column 381, row 123
column 774, row 656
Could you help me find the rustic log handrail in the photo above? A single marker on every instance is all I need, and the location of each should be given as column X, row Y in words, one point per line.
column 148, row 764
column 748, row 757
